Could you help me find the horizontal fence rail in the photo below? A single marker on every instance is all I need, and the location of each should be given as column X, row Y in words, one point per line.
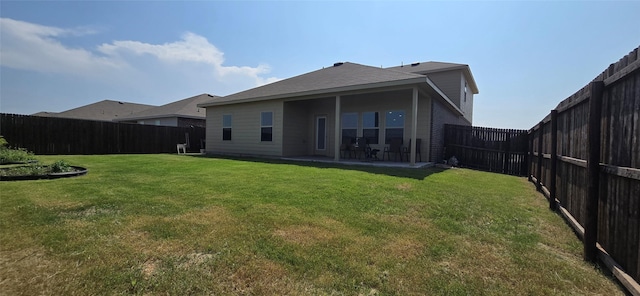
column 51, row 136
column 585, row 157
column 496, row 150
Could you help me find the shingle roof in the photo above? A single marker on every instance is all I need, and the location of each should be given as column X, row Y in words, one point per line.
column 184, row 108
column 106, row 110
column 430, row 67
column 340, row 77
column 421, row 68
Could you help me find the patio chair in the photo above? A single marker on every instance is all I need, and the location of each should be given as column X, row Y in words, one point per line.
column 395, row 147
column 407, row 150
column 346, row 148
column 360, row 148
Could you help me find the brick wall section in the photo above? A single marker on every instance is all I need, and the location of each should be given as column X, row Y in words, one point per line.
column 440, row 116
column 187, row 122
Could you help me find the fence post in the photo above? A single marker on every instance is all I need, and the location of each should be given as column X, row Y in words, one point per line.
column 554, row 160
column 540, row 156
column 506, row 156
column 593, row 171
column 530, row 155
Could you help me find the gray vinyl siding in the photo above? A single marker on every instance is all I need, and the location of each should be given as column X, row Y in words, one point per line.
column 466, row 105
column 245, row 129
column 295, row 127
column 449, row 83
column 441, row 115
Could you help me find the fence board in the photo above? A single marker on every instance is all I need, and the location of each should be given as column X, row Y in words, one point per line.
column 48, row 135
column 496, row 150
column 618, row 164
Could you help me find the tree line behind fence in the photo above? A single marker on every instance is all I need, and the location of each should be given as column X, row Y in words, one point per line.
column 50, row 136
column 586, row 160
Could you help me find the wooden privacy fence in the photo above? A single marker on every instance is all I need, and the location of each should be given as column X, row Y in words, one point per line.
column 586, row 160
column 496, row 150
column 50, row 135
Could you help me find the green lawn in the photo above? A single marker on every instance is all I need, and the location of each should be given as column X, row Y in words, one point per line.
column 178, row 225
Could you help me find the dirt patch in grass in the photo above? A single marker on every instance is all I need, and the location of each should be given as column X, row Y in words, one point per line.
column 87, row 212
column 403, row 248
column 404, row 186
column 150, row 267
column 264, row 277
column 304, row 235
column 31, row 272
column 162, row 235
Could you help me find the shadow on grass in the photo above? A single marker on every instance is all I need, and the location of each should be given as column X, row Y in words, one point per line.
column 414, row 173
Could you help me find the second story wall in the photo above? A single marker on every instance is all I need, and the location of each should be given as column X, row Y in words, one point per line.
column 466, row 98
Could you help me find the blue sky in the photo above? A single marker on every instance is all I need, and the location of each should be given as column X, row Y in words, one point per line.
column 525, row 56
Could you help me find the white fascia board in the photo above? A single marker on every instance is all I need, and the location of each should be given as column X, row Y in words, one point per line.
column 328, row 92
column 444, row 97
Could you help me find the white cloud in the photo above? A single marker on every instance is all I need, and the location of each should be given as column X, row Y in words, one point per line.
column 34, row 47
column 187, row 66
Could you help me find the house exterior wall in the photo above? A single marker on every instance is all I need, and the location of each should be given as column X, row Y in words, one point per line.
column 296, row 129
column 441, row 115
column 321, row 107
column 392, row 101
column 449, row 82
column 466, row 98
column 245, row 129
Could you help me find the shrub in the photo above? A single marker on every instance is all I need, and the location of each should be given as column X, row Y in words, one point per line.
column 60, row 166
column 13, row 155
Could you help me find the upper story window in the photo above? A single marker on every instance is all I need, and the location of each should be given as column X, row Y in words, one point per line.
column 394, row 125
column 226, row 127
column 349, row 127
column 266, row 126
column 370, row 127
column 465, row 91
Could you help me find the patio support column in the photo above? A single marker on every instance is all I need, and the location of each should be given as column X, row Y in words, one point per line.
column 336, row 134
column 414, row 126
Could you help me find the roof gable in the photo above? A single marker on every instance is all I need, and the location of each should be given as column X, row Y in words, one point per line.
column 425, row 68
column 183, row 108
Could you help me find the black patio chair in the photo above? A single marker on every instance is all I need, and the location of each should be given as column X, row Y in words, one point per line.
column 346, row 148
column 360, row 148
column 407, row 150
column 395, row 147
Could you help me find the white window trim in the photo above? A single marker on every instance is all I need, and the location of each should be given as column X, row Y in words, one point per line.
column 263, row 126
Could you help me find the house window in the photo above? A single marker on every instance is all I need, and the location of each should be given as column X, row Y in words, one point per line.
column 266, row 126
column 370, row 127
column 465, row 91
column 394, row 125
column 226, row 127
column 349, row 127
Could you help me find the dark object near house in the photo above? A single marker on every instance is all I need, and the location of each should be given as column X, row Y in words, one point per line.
column 395, row 147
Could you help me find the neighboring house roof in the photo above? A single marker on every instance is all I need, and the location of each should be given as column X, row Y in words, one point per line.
column 187, row 108
column 106, row 110
column 431, row 67
column 341, row 77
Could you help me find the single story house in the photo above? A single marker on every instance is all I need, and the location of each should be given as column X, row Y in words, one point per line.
column 317, row 112
column 183, row 113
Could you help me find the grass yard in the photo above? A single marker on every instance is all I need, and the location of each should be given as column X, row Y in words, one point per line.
column 178, row 225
